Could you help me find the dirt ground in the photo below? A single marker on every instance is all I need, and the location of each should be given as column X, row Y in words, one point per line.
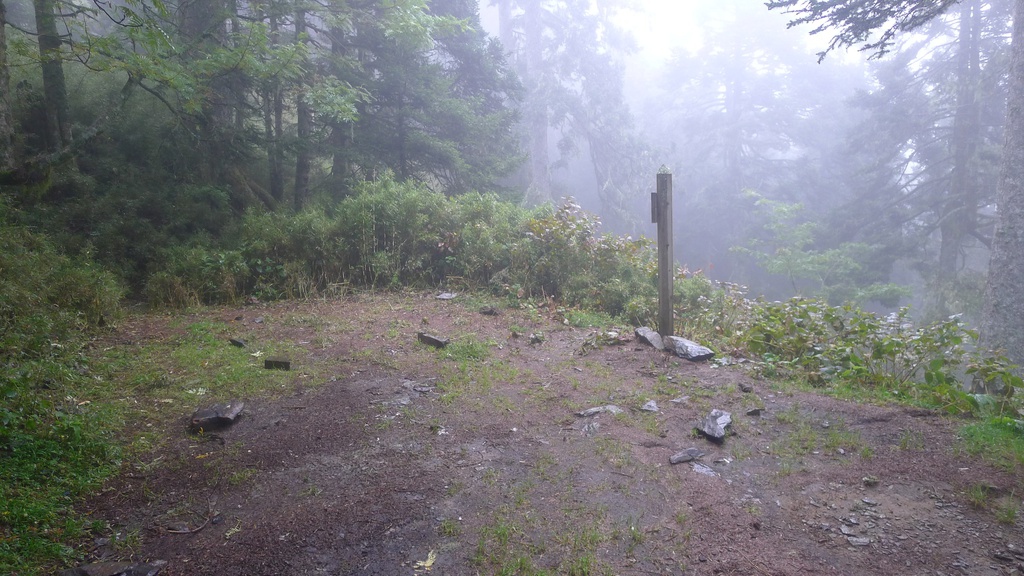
column 388, row 458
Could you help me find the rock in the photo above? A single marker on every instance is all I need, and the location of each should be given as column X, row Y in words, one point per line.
column 216, row 416
column 447, row 296
column 591, row 428
column 687, row 349
column 685, row 456
column 705, row 470
column 611, row 408
column 650, row 337
column 536, row 338
column 870, row 481
column 715, row 424
column 650, row 406
column 490, row 311
column 754, row 412
column 431, row 340
column 237, row 342
column 258, row 320
column 746, row 388
column 117, row 569
column 277, row 363
column 858, row 541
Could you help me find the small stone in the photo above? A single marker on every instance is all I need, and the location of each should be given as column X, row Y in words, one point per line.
column 446, row 296
column 216, row 416
column 610, row 408
column 746, row 388
column 650, row 337
column 117, row 569
column 431, row 340
column 715, row 424
column 870, row 481
column 858, row 541
column 489, row 311
column 704, row 470
column 650, row 406
column 258, row 320
column 687, row 349
column 536, row 338
column 869, row 501
column 277, row 363
column 237, row 342
column 591, row 428
column 754, row 412
column 685, row 456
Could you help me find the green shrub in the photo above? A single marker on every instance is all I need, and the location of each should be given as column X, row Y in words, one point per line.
column 924, row 365
column 45, row 297
column 52, row 448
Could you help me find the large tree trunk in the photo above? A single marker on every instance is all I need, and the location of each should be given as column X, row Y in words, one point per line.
column 1003, row 321
column 6, row 126
column 536, row 106
column 205, row 23
column 55, row 92
column 273, row 114
column 959, row 210
column 304, row 124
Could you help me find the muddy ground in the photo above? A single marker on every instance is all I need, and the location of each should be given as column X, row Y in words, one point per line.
column 385, row 457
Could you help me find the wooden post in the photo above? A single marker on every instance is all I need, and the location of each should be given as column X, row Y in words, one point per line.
column 661, row 213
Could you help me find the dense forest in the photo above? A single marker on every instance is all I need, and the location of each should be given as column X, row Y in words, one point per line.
column 174, row 154
column 145, row 135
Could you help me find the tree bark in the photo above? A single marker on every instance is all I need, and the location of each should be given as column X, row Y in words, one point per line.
column 6, row 126
column 960, row 207
column 1003, row 321
column 304, row 123
column 273, row 114
column 55, row 92
column 537, row 108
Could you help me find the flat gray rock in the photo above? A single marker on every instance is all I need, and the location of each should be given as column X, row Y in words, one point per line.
column 216, row 416
column 431, row 340
column 611, row 408
column 650, row 337
column 650, row 406
column 715, row 424
column 117, row 569
column 687, row 349
column 704, row 470
column 685, row 456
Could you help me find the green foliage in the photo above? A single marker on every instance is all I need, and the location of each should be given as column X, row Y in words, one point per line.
column 922, row 365
column 561, row 255
column 45, row 297
column 836, row 275
column 999, row 440
column 53, row 447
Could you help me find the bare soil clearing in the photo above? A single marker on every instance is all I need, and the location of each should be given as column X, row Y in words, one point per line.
column 385, row 457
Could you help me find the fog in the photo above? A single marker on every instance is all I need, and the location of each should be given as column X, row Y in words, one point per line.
column 853, row 178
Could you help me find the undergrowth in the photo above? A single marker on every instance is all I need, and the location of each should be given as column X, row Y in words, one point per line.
column 55, row 445
column 59, row 412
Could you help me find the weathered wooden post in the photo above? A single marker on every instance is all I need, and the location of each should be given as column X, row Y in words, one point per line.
column 661, row 214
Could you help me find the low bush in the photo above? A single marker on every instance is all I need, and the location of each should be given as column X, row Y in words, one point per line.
column 53, row 448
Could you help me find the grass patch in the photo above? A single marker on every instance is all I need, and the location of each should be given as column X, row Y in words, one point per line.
column 998, row 441
column 56, row 444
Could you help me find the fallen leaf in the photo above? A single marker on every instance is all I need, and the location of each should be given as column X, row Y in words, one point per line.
column 426, row 565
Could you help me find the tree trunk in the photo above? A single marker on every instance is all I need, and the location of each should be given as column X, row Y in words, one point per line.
column 961, row 203
column 339, row 139
column 536, row 105
column 1003, row 321
column 6, row 126
column 55, row 92
column 303, row 125
column 273, row 123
